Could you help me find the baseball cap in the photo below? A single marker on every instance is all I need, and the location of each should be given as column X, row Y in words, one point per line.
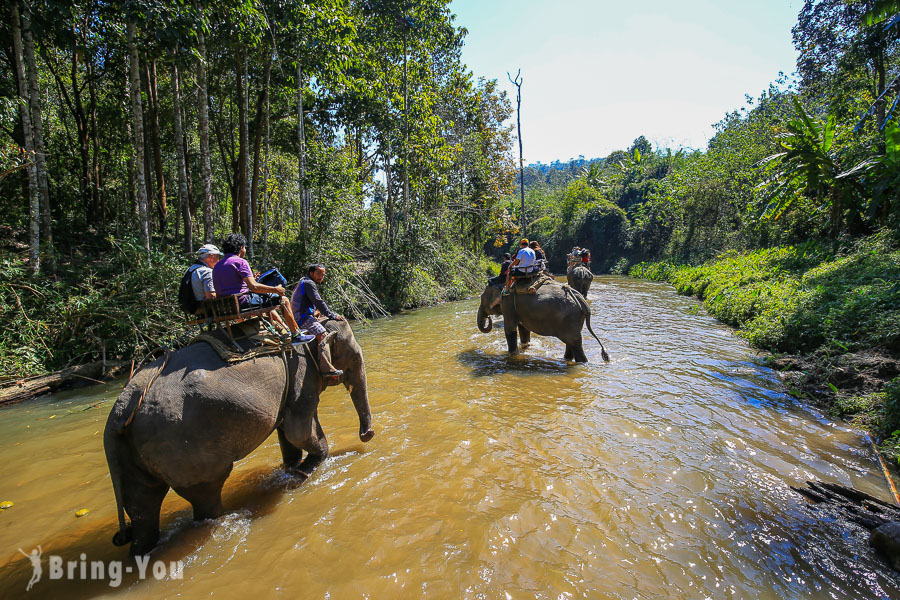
column 206, row 249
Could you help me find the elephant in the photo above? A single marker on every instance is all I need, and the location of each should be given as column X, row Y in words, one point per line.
column 579, row 278
column 199, row 414
column 554, row 309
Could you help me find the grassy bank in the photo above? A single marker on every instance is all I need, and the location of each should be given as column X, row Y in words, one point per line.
column 109, row 297
column 830, row 317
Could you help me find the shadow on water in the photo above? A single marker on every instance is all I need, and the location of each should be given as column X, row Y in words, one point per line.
column 486, row 365
column 248, row 495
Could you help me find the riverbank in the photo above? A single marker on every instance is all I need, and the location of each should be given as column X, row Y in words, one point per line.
column 110, row 300
column 830, row 317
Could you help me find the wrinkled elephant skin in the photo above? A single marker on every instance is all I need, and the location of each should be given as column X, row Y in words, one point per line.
column 201, row 415
column 555, row 310
column 579, row 278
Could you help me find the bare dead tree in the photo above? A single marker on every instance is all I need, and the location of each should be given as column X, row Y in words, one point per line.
column 518, row 83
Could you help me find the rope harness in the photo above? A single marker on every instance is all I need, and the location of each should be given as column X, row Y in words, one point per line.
column 137, row 405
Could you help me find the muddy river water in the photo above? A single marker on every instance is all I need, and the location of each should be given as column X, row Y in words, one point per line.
column 662, row 474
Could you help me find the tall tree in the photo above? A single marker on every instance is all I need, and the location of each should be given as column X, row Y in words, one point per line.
column 180, row 156
column 137, row 127
column 40, row 161
column 518, row 83
column 28, row 133
column 203, row 126
column 153, row 101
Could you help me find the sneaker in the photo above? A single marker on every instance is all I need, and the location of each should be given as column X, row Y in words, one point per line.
column 335, row 373
column 302, row 338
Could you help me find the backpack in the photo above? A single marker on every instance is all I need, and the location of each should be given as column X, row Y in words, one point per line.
column 186, row 298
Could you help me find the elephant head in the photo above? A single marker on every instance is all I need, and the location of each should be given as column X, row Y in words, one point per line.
column 347, row 356
column 490, row 305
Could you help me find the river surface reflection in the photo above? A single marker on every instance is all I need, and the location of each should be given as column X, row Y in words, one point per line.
column 662, row 474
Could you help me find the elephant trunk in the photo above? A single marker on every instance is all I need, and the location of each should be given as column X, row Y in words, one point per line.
column 485, row 324
column 359, row 393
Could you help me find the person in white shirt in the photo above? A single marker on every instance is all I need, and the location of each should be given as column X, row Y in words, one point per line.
column 201, row 279
column 522, row 264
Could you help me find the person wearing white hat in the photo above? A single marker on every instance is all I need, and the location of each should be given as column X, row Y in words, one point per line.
column 201, row 279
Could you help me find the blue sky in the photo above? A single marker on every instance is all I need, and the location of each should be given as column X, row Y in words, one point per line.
column 598, row 74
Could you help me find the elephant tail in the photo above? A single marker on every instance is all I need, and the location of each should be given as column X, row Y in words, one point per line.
column 112, row 444
column 585, row 309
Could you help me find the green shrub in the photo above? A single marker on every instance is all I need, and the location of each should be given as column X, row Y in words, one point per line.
column 799, row 298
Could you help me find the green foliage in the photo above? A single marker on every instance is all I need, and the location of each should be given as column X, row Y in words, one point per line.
column 800, row 298
column 112, row 297
column 805, row 169
column 879, row 412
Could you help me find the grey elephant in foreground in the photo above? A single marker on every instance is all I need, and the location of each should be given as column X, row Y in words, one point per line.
column 580, row 278
column 200, row 415
column 554, row 310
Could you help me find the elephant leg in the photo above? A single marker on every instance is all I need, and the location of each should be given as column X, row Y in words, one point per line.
column 143, row 501
column 206, row 498
column 569, row 355
column 509, row 328
column 524, row 335
column 578, row 351
column 290, row 454
column 316, row 451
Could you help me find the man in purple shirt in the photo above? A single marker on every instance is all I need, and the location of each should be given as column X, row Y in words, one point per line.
column 232, row 275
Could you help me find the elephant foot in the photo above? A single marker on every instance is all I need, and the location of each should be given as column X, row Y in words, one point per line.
column 367, row 435
column 143, row 544
column 124, row 536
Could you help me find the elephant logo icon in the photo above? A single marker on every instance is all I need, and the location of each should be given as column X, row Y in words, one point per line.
column 35, row 558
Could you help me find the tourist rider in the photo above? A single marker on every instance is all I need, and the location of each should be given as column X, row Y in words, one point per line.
column 573, row 257
column 232, row 275
column 540, row 258
column 201, row 278
column 305, row 301
column 522, row 264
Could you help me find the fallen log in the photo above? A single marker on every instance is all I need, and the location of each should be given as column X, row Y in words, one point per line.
column 881, row 518
column 23, row 389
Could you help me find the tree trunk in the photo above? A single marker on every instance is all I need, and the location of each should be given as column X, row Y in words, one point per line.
column 132, row 178
column 405, row 134
column 40, row 159
column 389, row 204
column 242, row 169
column 257, row 141
column 102, row 209
column 245, row 134
column 183, row 203
column 148, row 146
column 301, row 155
column 266, row 186
column 187, row 171
column 153, row 95
column 81, row 123
column 138, row 131
column 203, row 125
column 34, row 227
